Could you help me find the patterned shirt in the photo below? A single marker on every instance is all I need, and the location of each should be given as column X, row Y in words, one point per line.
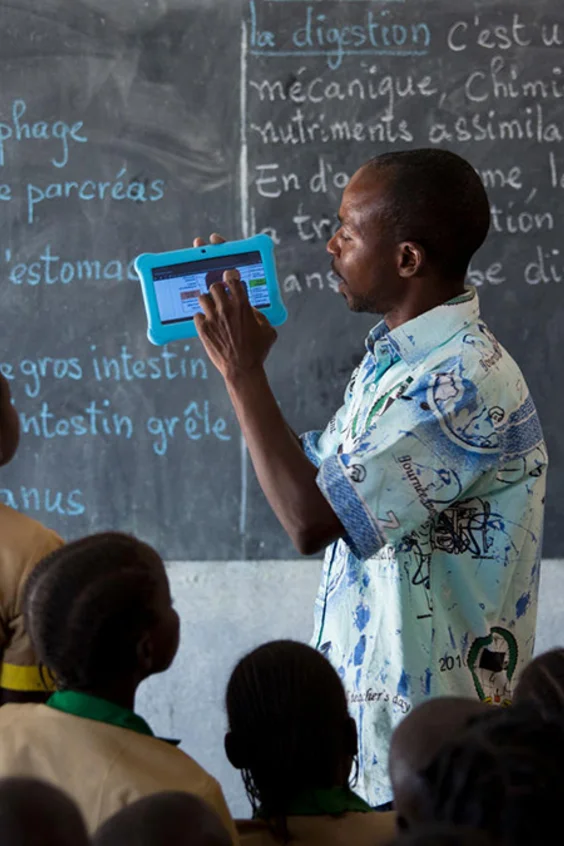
column 436, row 467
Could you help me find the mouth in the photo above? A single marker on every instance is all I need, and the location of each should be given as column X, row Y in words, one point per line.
column 342, row 282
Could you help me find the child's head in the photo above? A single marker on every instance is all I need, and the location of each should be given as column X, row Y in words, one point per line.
column 415, row 743
column 502, row 775
column 9, row 424
column 439, row 834
column 100, row 615
column 174, row 819
column 542, row 684
column 289, row 726
column 33, row 813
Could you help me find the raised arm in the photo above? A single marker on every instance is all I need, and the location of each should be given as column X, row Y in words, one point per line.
column 238, row 339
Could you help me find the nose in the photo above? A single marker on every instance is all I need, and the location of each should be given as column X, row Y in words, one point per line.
column 333, row 245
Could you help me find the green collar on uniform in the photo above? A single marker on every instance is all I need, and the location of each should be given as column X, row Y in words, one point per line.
column 94, row 708
column 332, row 801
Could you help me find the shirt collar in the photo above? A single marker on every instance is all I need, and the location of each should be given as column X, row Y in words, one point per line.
column 93, row 708
column 329, row 801
column 414, row 340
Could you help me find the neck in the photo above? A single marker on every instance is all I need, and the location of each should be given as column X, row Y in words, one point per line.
column 122, row 693
column 422, row 298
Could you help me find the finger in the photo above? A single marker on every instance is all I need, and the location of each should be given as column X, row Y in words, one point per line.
column 198, row 242
column 200, row 323
column 237, row 288
column 216, row 239
column 207, row 305
column 220, row 296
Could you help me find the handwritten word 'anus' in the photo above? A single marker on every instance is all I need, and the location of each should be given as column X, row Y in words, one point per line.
column 50, row 501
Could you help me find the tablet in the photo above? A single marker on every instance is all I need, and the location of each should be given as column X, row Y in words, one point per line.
column 172, row 282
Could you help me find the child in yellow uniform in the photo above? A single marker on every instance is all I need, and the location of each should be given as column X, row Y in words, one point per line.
column 23, row 542
column 291, row 736
column 100, row 617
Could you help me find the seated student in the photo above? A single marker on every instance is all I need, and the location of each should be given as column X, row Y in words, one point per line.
column 291, row 735
column 165, row 819
column 542, row 683
column 444, row 835
column 415, row 744
column 33, row 813
column 23, row 542
column 503, row 775
column 100, row 617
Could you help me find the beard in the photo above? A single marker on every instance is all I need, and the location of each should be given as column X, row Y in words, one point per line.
column 359, row 304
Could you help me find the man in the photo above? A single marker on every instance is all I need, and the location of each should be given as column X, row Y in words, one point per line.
column 428, row 484
column 23, row 543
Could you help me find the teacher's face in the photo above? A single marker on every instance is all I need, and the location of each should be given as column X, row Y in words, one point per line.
column 364, row 253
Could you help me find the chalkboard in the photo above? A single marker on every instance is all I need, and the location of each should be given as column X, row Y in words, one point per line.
column 129, row 126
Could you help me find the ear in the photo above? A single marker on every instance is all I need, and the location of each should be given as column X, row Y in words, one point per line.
column 351, row 738
column 234, row 754
column 410, row 260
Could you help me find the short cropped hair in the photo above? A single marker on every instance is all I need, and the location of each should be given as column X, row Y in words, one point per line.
column 436, row 199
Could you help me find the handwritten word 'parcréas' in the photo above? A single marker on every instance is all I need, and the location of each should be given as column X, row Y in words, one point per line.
column 135, row 191
column 51, row 501
column 18, row 130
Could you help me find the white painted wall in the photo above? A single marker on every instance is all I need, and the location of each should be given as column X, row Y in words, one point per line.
column 229, row 608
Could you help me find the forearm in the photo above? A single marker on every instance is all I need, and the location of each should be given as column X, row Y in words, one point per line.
column 286, row 476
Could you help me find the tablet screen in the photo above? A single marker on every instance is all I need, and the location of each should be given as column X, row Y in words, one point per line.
column 178, row 286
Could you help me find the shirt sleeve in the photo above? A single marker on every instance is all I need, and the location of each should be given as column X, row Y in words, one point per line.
column 424, row 453
column 318, row 445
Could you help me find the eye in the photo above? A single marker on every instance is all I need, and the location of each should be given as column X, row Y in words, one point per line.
column 344, row 236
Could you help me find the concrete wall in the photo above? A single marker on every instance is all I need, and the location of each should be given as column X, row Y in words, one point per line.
column 227, row 609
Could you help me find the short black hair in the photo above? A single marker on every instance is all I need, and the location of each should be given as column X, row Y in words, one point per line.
column 33, row 812
column 173, row 818
column 87, row 605
column 436, row 199
column 287, row 711
column 502, row 775
column 542, row 683
column 441, row 834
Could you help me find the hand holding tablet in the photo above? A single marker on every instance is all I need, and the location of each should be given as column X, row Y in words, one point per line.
column 172, row 283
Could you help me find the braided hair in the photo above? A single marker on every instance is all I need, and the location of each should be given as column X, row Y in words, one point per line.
column 88, row 604
column 288, row 716
column 502, row 775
